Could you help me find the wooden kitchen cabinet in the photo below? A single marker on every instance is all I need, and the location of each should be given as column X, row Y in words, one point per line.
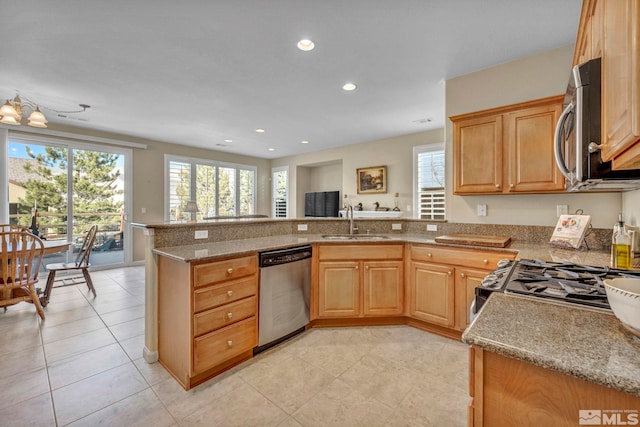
column 207, row 316
column 442, row 282
column 507, row 150
column 590, row 39
column 360, row 280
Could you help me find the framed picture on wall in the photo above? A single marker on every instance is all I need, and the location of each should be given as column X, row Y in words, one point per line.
column 372, row 180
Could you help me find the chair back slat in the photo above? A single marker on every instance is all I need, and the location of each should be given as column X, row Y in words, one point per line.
column 20, row 258
column 82, row 259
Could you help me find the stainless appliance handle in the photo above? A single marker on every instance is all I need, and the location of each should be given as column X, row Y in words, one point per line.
column 557, row 141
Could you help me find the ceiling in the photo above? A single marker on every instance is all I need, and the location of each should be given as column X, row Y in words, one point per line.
column 202, row 72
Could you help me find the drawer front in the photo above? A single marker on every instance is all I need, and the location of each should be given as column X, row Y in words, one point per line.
column 225, row 315
column 224, row 293
column 217, row 271
column 358, row 252
column 221, row 345
column 458, row 256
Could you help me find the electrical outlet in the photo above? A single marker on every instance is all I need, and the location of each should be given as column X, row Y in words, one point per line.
column 202, row 234
column 562, row 210
column 482, row 210
column 432, row 227
column 396, row 226
column 143, row 210
column 302, row 227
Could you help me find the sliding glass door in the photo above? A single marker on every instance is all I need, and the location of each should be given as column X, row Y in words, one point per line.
column 59, row 191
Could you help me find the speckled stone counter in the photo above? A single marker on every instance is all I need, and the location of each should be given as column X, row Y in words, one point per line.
column 586, row 343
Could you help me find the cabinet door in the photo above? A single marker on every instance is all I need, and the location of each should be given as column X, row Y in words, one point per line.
column 431, row 293
column 339, row 289
column 530, row 154
column 467, row 280
column 620, row 81
column 383, row 288
column 477, row 155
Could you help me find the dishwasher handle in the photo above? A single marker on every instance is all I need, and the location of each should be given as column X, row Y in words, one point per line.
column 284, row 256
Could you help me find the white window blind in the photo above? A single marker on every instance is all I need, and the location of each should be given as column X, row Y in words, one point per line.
column 429, row 195
column 280, row 190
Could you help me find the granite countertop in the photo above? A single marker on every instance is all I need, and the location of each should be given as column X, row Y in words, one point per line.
column 594, row 344
column 204, row 251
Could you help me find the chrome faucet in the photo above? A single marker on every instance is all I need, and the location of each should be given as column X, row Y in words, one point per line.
column 352, row 229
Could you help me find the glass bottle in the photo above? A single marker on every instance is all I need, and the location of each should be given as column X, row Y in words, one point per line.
column 620, row 246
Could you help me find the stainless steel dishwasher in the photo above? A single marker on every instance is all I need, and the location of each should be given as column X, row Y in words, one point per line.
column 285, row 285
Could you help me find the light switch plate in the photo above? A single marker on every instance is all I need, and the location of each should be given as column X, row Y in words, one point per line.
column 432, row 227
column 202, row 234
column 562, row 210
column 396, row 226
column 482, row 210
column 302, row 227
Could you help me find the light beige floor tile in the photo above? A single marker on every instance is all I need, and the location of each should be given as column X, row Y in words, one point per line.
column 26, row 360
column 241, row 407
column 340, row 405
column 380, row 379
column 133, row 346
column 60, row 318
column 20, row 387
column 84, row 397
column 84, row 365
column 12, row 340
column 290, row 422
column 141, row 409
column 124, row 315
column 154, row 373
column 130, row 329
column 77, row 344
column 436, row 401
column 34, row 412
column 55, row 333
column 288, row 382
column 333, row 358
column 181, row 403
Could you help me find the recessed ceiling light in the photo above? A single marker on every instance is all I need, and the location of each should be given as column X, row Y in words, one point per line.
column 304, row 142
column 349, row 86
column 228, row 140
column 271, row 149
column 306, row 45
column 260, row 130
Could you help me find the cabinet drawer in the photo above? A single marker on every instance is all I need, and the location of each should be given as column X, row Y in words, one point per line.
column 217, row 271
column 225, row 315
column 467, row 257
column 224, row 293
column 221, row 345
column 359, row 252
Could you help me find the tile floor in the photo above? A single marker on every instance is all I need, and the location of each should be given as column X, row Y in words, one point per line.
column 82, row 366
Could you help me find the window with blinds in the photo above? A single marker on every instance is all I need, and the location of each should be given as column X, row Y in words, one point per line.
column 280, row 192
column 219, row 189
column 429, row 171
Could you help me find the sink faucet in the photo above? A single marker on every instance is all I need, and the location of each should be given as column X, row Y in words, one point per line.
column 352, row 229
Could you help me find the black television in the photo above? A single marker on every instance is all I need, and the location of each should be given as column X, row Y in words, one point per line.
column 321, row 204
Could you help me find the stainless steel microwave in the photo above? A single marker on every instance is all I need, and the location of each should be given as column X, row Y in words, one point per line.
column 578, row 135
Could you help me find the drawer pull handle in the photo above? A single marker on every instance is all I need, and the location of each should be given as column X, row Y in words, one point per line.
column 230, row 315
column 485, row 261
column 229, row 343
column 230, row 293
column 230, row 271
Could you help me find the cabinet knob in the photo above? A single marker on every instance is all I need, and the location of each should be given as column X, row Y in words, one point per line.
column 356, row 267
column 511, row 185
column 485, row 261
column 230, row 293
column 461, row 274
column 366, row 267
column 230, row 270
column 449, row 273
column 429, row 255
column 230, row 315
column 229, row 343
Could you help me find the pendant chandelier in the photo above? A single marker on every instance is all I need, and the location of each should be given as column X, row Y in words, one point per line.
column 12, row 111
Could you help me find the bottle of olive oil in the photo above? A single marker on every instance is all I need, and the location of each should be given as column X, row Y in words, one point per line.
column 620, row 246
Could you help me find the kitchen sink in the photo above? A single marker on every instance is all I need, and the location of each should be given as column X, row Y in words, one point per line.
column 354, row 237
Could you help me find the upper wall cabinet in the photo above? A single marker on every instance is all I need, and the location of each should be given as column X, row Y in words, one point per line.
column 611, row 29
column 507, row 150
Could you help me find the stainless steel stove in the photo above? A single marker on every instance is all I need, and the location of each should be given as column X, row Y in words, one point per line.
column 558, row 281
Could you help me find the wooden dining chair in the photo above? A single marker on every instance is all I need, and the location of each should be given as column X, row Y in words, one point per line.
column 81, row 264
column 20, row 257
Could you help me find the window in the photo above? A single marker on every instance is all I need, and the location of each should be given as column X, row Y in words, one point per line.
column 429, row 173
column 219, row 189
column 280, row 191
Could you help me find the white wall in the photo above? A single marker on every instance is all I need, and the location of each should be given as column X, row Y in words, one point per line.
column 533, row 77
column 631, row 207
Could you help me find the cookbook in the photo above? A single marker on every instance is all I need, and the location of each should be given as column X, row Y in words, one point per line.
column 570, row 231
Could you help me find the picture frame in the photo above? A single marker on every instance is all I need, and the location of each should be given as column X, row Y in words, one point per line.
column 371, row 180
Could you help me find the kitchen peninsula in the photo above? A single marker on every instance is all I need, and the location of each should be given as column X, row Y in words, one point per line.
column 241, row 239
